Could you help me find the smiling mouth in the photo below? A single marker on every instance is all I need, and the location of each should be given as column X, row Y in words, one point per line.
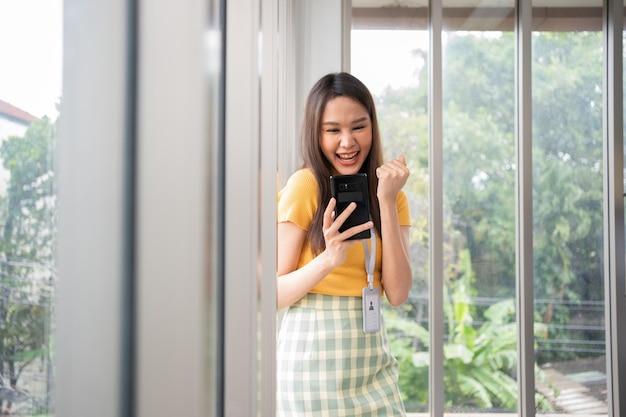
column 348, row 157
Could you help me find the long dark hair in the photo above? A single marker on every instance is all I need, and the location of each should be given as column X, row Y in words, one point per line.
column 327, row 88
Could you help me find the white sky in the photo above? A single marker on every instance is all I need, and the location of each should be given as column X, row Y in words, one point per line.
column 31, row 54
column 385, row 58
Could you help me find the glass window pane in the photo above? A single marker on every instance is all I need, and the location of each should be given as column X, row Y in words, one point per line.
column 393, row 64
column 479, row 195
column 30, row 89
column 568, row 218
column 480, row 345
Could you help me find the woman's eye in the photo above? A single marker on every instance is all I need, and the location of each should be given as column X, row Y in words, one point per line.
column 359, row 127
column 332, row 130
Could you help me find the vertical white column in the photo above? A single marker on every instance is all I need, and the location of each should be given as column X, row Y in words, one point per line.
column 268, row 144
column 172, row 209
column 322, row 44
column 241, row 246
column 289, row 110
column 92, row 215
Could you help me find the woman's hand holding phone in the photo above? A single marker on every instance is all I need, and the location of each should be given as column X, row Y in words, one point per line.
column 354, row 189
column 337, row 243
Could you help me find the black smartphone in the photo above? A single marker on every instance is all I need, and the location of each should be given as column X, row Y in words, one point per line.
column 347, row 189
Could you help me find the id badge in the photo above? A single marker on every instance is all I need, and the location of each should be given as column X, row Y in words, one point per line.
column 371, row 309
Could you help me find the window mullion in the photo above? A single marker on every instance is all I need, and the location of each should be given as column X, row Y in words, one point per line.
column 436, row 314
column 613, row 156
column 524, row 210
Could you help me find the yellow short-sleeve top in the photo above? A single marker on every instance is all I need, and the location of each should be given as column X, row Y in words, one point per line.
column 297, row 203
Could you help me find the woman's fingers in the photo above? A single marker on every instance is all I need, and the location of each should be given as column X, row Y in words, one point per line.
column 329, row 214
column 391, row 177
column 331, row 225
column 395, row 167
column 357, row 229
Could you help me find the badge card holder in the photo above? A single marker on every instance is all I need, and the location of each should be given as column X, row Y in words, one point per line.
column 371, row 309
column 371, row 294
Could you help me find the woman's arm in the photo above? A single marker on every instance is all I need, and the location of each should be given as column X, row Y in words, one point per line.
column 292, row 283
column 396, row 269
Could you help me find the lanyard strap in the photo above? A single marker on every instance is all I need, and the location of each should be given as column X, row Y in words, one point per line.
column 370, row 259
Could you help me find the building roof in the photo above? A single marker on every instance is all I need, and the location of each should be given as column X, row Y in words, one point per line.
column 16, row 114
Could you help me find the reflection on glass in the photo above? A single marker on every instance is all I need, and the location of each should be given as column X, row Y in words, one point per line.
column 30, row 39
column 392, row 63
column 568, row 232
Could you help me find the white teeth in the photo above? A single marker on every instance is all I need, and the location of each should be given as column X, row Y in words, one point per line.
column 348, row 156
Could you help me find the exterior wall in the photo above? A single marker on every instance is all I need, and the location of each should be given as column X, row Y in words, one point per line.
column 10, row 126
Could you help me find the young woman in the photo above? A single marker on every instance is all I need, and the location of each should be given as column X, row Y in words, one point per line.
column 327, row 364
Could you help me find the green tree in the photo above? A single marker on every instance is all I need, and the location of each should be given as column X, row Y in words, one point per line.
column 403, row 121
column 479, row 155
column 479, row 187
column 567, row 170
column 28, row 218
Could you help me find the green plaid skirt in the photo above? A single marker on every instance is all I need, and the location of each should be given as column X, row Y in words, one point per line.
column 327, row 366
